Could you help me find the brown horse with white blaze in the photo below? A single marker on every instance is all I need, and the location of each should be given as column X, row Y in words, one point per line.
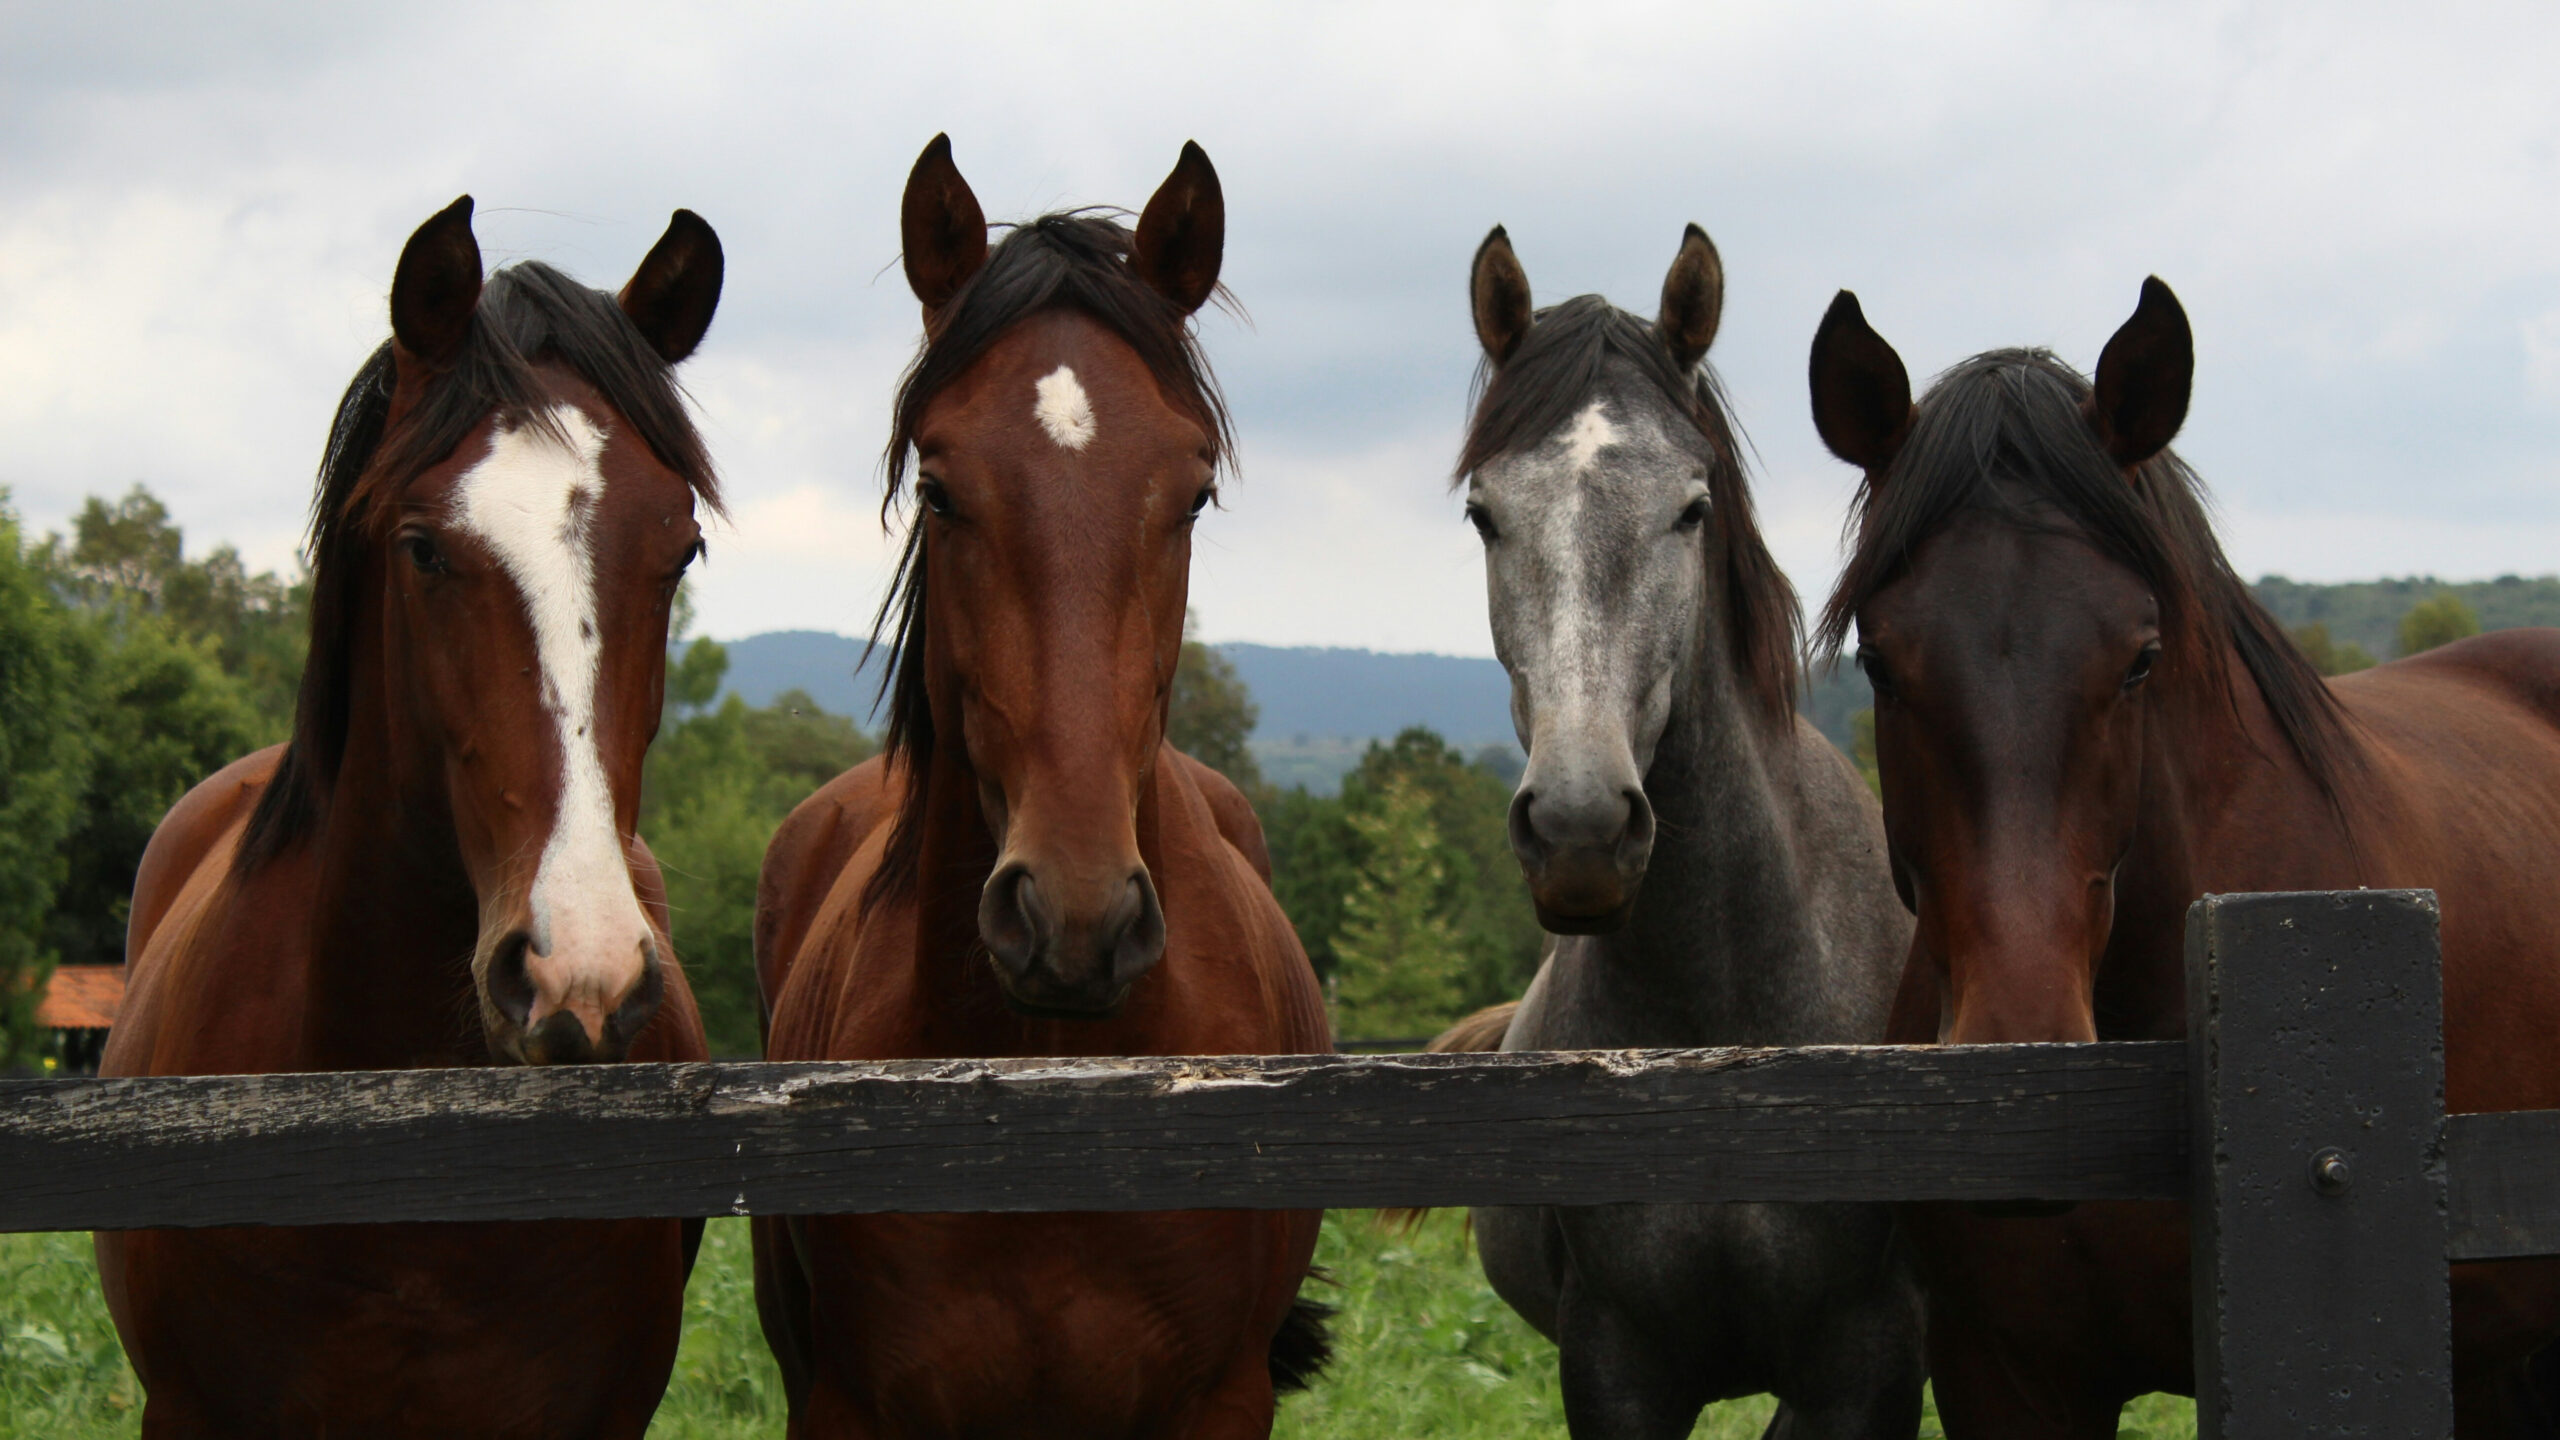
column 440, row 868
column 2084, row 723
column 1030, row 869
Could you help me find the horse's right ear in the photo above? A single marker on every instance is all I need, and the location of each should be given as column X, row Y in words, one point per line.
column 437, row 287
column 942, row 228
column 1498, row 290
column 1861, row 393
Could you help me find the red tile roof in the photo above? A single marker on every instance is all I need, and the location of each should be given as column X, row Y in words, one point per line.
column 82, row 997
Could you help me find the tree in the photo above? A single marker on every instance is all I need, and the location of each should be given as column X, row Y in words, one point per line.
column 2328, row 655
column 717, row 782
column 2439, row 621
column 43, row 771
column 131, row 557
column 1402, row 969
column 161, row 715
column 1212, row 713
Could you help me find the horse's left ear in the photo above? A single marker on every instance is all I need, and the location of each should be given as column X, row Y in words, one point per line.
column 671, row 296
column 1182, row 236
column 2144, row 377
column 1692, row 299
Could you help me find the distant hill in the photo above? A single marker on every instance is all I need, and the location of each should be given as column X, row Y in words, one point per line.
column 1322, row 707
column 2368, row 611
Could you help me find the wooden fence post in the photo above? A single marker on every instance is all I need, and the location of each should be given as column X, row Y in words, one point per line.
column 2316, row 1041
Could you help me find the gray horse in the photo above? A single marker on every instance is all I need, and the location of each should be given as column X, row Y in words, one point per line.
column 1713, row 869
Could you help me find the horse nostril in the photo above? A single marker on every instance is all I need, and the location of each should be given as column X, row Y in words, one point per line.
column 637, row 1008
column 1525, row 840
column 1138, row 930
column 1636, row 841
column 509, row 983
column 1009, row 919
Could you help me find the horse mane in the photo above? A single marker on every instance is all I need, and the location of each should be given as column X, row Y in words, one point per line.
column 2013, row 422
column 1075, row 260
column 1551, row 375
column 529, row 315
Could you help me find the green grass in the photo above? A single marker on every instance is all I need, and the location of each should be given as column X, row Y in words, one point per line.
column 1422, row 1347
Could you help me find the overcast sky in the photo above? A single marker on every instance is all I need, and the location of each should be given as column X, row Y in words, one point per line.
column 2359, row 206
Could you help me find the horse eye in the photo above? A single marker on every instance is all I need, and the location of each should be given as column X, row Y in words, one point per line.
column 1201, row 501
column 1877, row 674
column 692, row 553
column 1694, row 516
column 422, row 553
column 2141, row 669
column 1482, row 519
column 935, row 497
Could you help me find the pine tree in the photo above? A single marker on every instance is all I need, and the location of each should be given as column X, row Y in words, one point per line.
column 1402, row 968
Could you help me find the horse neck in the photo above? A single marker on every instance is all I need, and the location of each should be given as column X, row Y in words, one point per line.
column 1721, row 943
column 394, row 915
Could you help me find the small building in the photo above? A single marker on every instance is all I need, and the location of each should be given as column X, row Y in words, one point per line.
column 79, row 1006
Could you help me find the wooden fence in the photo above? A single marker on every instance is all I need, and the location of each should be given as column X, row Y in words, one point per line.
column 2303, row 1121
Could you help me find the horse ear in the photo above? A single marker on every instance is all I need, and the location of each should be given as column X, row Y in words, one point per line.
column 437, row 287
column 1861, row 394
column 941, row 227
column 671, row 296
column 1498, row 290
column 2144, row 377
column 1182, row 236
column 1692, row 299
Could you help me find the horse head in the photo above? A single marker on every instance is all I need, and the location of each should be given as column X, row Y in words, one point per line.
column 508, row 509
column 1621, row 561
column 1065, row 438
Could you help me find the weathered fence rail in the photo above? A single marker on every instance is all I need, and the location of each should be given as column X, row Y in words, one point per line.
column 2302, row 1121
column 2057, row 1122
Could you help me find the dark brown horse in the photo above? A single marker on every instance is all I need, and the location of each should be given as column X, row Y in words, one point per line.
column 440, row 868
column 1030, row 869
column 2085, row 722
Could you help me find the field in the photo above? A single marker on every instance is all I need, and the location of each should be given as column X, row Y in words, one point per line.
column 1422, row 1349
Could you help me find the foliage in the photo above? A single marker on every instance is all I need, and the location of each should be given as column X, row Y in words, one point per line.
column 1212, row 715
column 2438, row 621
column 2368, row 612
column 161, row 715
column 44, row 772
column 2330, row 656
column 130, row 556
column 1399, row 970
column 1318, row 851
column 718, row 780
column 184, row 666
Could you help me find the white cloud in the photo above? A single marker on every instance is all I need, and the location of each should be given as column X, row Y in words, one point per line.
column 197, row 222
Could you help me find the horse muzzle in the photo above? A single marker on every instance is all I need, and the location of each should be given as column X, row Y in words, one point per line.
column 552, row 1008
column 1058, row 959
column 1583, row 856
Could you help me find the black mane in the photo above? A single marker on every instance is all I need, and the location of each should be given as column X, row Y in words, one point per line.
column 529, row 315
column 1551, row 376
column 1076, row 260
column 2011, row 422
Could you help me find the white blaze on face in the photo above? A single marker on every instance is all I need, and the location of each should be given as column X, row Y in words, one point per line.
column 531, row 501
column 1062, row 409
column 1590, row 434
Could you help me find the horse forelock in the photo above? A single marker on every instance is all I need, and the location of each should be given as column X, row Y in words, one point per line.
column 2006, row 433
column 1556, row 388
column 530, row 318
